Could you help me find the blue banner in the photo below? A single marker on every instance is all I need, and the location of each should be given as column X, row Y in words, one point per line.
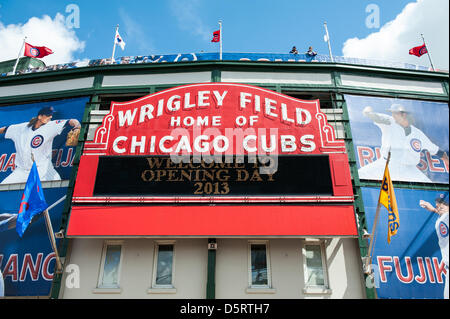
column 28, row 263
column 416, row 133
column 413, row 265
column 18, row 141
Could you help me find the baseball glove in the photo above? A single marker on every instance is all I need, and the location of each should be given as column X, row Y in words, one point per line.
column 72, row 137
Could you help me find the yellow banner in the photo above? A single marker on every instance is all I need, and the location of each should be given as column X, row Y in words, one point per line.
column 387, row 199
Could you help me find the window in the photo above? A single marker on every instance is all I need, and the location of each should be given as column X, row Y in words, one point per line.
column 163, row 266
column 259, row 265
column 315, row 268
column 110, row 265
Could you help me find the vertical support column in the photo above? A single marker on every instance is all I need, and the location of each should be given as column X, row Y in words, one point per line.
column 211, row 277
column 216, row 76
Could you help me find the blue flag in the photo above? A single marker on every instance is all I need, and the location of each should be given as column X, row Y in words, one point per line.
column 33, row 201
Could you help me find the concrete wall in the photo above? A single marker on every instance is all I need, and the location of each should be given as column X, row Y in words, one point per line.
column 190, row 264
column 191, row 256
column 286, row 259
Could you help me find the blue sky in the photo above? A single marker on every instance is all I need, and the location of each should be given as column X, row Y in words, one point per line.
column 169, row 26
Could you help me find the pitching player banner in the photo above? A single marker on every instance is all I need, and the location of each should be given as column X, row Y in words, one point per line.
column 416, row 132
column 19, row 138
column 412, row 266
column 28, row 263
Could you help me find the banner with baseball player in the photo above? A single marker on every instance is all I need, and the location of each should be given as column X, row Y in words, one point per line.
column 416, row 132
column 48, row 131
column 415, row 264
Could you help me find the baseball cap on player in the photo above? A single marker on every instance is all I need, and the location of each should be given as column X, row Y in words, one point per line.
column 397, row 108
column 47, row 111
column 442, row 198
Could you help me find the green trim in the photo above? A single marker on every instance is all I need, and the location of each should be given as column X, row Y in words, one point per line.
column 216, row 76
column 445, row 86
column 211, row 275
column 216, row 69
column 408, row 185
column 98, row 80
column 285, row 88
column 359, row 203
column 336, row 78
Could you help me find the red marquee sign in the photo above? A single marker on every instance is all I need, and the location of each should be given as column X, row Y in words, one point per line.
column 204, row 118
column 207, row 120
column 145, row 153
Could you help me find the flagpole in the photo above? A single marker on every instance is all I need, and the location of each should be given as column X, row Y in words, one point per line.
column 428, row 52
column 114, row 47
column 52, row 240
column 51, row 234
column 375, row 223
column 328, row 41
column 221, row 37
column 18, row 57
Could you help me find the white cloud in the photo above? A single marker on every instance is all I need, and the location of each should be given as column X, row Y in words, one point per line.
column 45, row 31
column 393, row 41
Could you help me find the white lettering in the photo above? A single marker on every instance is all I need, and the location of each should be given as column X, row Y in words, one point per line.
column 288, row 143
column 116, row 146
column 300, row 120
column 269, row 107
column 173, row 104
column 244, row 100
column 245, row 143
column 187, row 104
column 284, row 114
column 183, row 145
column 204, row 146
column 161, row 144
column 307, row 140
column 135, row 143
column 146, row 111
column 128, row 117
column 225, row 146
column 175, row 121
column 203, row 96
column 220, row 97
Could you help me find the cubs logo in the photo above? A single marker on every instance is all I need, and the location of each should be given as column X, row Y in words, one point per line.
column 443, row 229
column 423, row 50
column 416, row 144
column 34, row 52
column 37, row 141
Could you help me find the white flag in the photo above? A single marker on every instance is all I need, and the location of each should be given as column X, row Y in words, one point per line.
column 325, row 38
column 119, row 41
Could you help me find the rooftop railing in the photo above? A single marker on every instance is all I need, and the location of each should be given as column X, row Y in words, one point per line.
column 190, row 57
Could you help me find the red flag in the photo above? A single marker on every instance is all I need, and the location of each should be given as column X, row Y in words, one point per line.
column 216, row 36
column 36, row 52
column 418, row 51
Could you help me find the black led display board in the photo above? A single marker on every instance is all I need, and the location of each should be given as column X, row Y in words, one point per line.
column 161, row 176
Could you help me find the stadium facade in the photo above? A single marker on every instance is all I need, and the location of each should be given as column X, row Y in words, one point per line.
column 133, row 222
